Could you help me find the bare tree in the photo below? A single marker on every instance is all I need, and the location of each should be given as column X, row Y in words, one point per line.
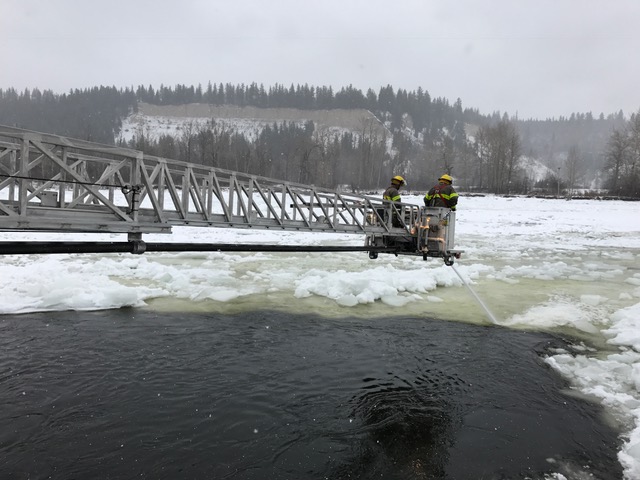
column 632, row 177
column 616, row 155
column 499, row 146
column 187, row 141
column 203, row 141
column 447, row 154
column 482, row 151
column 372, row 149
column 465, row 163
column 329, row 152
column 572, row 164
column 220, row 142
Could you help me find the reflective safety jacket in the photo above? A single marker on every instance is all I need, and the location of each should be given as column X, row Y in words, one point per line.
column 391, row 193
column 442, row 195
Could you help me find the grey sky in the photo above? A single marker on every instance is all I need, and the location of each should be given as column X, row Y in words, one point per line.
column 536, row 58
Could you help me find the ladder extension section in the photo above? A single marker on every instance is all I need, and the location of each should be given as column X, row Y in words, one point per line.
column 53, row 183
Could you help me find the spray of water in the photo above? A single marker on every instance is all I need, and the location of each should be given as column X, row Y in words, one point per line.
column 475, row 295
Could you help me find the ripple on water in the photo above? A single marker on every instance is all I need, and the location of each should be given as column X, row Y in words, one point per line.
column 133, row 393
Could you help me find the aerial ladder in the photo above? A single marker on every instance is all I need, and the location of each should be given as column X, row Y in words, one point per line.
column 51, row 183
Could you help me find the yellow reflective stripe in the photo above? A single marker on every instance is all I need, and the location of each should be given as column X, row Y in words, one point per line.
column 393, row 199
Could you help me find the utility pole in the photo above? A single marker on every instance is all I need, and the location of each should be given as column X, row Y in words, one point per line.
column 559, row 182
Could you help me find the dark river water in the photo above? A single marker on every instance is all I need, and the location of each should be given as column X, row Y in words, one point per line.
column 130, row 393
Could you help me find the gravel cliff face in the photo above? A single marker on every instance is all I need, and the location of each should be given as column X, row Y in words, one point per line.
column 353, row 120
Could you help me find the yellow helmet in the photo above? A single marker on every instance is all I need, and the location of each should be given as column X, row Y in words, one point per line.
column 398, row 179
column 446, row 178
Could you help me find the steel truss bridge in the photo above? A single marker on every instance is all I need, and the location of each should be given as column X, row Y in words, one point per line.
column 53, row 183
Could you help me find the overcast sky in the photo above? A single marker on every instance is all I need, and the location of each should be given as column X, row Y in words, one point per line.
column 534, row 58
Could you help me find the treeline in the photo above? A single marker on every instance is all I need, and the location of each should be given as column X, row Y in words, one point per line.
column 96, row 113
column 422, row 136
column 93, row 114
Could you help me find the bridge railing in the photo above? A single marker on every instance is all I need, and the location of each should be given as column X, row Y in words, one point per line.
column 49, row 182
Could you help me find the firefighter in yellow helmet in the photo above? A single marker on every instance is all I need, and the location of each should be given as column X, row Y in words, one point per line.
column 443, row 194
column 392, row 193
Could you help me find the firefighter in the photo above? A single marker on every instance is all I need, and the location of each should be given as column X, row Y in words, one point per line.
column 392, row 193
column 443, row 194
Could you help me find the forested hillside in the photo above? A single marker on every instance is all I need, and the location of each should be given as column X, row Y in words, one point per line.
column 401, row 132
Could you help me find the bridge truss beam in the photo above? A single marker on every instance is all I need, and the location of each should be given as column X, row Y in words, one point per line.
column 53, row 183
